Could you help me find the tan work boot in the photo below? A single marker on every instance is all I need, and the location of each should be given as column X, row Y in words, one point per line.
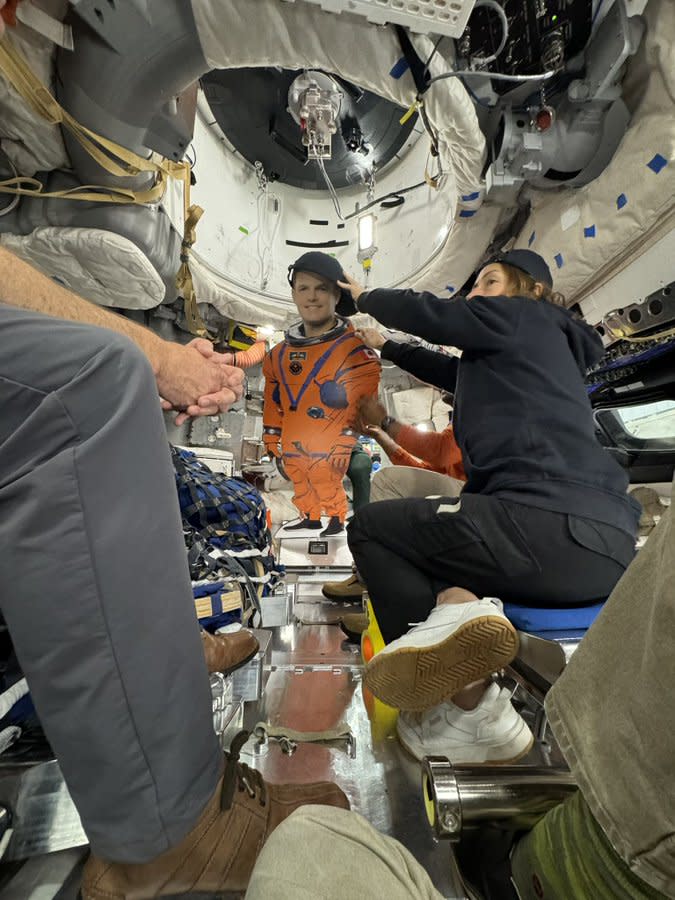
column 353, row 625
column 350, row 589
column 227, row 652
column 218, row 855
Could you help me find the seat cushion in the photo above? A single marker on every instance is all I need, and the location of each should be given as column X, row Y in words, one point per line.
column 534, row 619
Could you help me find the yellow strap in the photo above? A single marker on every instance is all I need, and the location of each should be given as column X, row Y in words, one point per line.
column 113, row 158
column 341, row 732
column 31, row 187
column 184, row 282
column 409, row 112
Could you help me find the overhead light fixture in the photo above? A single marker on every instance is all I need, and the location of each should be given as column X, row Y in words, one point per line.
column 367, row 246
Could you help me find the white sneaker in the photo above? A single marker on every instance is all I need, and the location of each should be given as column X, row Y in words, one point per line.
column 493, row 732
column 458, row 644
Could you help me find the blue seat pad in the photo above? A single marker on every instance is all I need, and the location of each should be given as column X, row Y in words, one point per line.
column 534, row 619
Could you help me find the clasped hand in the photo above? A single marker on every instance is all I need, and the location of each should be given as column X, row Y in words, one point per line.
column 195, row 380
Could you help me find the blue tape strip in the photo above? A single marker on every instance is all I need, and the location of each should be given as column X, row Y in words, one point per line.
column 450, row 288
column 657, row 163
column 559, row 261
column 531, row 239
column 621, row 201
column 467, row 213
column 399, row 68
column 589, row 232
column 469, row 197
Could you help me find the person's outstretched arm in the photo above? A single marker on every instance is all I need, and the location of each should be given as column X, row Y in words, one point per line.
column 430, row 366
column 189, row 377
column 481, row 324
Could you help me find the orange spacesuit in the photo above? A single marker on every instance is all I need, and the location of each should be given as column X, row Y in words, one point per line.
column 312, row 390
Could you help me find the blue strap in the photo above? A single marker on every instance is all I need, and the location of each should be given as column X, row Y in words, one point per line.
column 316, row 368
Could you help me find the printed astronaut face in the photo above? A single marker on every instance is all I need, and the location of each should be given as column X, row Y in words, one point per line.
column 315, row 298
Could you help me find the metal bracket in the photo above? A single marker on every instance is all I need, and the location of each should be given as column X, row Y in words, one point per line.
column 288, row 739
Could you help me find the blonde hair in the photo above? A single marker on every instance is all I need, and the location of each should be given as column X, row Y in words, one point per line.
column 524, row 285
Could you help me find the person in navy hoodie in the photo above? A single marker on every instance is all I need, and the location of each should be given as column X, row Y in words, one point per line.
column 544, row 518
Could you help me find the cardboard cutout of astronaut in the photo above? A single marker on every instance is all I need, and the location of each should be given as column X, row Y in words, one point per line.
column 314, row 380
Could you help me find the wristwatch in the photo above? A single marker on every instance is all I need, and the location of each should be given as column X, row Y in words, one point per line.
column 386, row 423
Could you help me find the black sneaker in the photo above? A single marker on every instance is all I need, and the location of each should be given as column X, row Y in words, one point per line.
column 335, row 526
column 306, row 523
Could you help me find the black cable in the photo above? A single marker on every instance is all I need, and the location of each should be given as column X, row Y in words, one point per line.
column 433, row 53
column 393, row 203
column 398, row 193
column 429, row 130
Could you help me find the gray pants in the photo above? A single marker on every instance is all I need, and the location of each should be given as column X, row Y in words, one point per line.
column 94, row 583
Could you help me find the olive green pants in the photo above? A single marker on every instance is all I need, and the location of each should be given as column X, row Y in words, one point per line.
column 360, row 467
column 566, row 856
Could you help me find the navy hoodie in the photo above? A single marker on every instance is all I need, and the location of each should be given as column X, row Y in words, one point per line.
column 522, row 417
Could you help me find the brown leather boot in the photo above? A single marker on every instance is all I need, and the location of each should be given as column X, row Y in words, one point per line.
column 219, row 853
column 353, row 625
column 350, row 589
column 227, row 652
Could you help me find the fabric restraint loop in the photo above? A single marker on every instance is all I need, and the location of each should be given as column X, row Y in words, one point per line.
column 114, row 159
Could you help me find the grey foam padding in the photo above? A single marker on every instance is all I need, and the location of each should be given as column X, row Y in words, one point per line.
column 132, row 60
column 147, row 227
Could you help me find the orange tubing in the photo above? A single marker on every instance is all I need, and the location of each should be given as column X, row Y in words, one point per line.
column 245, row 359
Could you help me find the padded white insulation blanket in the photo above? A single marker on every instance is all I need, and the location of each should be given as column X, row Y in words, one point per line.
column 592, row 233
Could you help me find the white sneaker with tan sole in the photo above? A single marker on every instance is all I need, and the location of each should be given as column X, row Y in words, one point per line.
column 493, row 732
column 457, row 644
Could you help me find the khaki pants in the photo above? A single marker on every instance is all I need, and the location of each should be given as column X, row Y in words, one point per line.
column 324, row 853
column 402, row 482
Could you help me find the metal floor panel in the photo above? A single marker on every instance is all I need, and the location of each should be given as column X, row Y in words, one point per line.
column 54, row 876
column 43, row 816
column 314, row 685
column 310, row 607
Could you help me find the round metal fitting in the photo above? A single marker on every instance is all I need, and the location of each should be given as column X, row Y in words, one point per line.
column 441, row 798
